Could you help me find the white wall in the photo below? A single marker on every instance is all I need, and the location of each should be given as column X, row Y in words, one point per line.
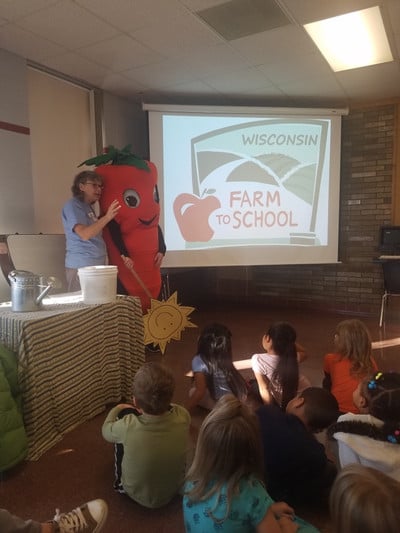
column 61, row 138
column 125, row 123
column 33, row 189
column 16, row 192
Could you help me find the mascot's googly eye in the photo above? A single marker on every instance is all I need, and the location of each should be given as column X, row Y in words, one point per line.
column 131, row 198
column 156, row 196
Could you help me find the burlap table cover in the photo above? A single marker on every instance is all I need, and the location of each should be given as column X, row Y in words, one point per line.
column 73, row 360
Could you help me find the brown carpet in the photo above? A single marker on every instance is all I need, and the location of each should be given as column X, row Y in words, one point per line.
column 80, row 467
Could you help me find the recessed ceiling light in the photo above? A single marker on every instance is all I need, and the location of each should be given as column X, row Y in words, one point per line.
column 354, row 40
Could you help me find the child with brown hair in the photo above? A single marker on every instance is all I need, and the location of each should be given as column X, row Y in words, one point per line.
column 350, row 364
column 372, row 438
column 151, row 437
column 364, row 499
column 224, row 490
column 297, row 469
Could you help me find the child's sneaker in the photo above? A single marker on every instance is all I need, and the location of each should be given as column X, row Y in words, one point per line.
column 89, row 517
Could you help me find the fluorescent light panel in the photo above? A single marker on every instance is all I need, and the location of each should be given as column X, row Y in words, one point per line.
column 353, row 40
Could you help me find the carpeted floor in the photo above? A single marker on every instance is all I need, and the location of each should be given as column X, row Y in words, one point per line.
column 80, row 467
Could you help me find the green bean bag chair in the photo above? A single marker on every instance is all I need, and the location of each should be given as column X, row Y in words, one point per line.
column 13, row 440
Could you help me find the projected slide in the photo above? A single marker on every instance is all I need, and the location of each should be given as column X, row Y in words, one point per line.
column 247, row 190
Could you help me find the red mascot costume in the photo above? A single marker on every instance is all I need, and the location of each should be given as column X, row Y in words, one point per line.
column 135, row 231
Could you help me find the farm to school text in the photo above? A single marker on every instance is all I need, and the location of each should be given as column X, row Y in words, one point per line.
column 258, row 219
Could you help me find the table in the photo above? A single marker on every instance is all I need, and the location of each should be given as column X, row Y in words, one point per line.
column 73, row 359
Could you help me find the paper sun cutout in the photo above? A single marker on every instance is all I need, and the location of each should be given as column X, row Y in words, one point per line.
column 165, row 321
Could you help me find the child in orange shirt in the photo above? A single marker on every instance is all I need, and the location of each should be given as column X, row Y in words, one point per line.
column 350, row 364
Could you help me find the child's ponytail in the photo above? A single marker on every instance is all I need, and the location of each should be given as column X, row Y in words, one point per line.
column 286, row 374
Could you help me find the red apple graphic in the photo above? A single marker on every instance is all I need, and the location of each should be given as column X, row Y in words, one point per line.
column 192, row 213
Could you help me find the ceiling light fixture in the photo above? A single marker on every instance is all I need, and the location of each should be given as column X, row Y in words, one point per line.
column 354, row 40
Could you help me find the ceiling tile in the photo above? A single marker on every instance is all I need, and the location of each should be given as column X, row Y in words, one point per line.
column 184, row 32
column 213, row 60
column 164, row 74
column 196, row 5
column 266, row 90
column 197, row 87
column 360, row 83
column 14, row 9
column 120, row 53
column 243, row 80
column 319, row 87
column 304, row 11
column 275, row 45
column 293, row 69
column 195, row 93
column 162, row 48
column 130, row 16
column 155, row 97
column 122, row 86
column 393, row 11
column 78, row 67
column 397, row 41
column 67, row 24
column 26, row 44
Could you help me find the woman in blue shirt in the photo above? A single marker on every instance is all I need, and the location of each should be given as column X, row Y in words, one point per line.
column 83, row 228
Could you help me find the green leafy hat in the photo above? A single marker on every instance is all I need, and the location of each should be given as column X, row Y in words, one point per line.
column 117, row 157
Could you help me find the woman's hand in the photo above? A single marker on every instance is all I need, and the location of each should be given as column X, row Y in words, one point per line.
column 158, row 259
column 128, row 262
column 112, row 210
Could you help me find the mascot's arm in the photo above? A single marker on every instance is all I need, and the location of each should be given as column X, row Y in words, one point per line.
column 115, row 232
column 116, row 236
column 162, row 248
column 158, row 258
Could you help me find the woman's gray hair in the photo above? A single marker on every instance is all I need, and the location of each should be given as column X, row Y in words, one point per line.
column 84, row 177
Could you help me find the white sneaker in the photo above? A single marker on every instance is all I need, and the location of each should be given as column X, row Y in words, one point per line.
column 89, row 517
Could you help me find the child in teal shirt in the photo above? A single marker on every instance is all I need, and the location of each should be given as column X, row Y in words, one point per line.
column 224, row 491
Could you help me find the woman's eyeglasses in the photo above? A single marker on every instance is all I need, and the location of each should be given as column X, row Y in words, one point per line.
column 95, row 185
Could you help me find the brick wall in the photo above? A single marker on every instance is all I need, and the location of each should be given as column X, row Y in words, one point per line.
column 355, row 284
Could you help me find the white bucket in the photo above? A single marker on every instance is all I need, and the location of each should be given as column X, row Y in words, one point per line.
column 98, row 283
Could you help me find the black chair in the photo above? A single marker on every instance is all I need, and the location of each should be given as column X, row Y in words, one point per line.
column 391, row 282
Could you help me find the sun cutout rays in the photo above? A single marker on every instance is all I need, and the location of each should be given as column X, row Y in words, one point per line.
column 165, row 321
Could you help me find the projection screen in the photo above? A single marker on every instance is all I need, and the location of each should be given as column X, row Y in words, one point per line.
column 247, row 186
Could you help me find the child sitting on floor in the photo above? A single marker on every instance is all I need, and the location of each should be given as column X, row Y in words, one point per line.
column 277, row 370
column 224, row 491
column 372, row 438
column 213, row 371
column 297, row 469
column 350, row 364
column 151, row 437
column 364, row 499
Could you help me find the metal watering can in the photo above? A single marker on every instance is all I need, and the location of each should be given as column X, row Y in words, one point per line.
column 28, row 290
